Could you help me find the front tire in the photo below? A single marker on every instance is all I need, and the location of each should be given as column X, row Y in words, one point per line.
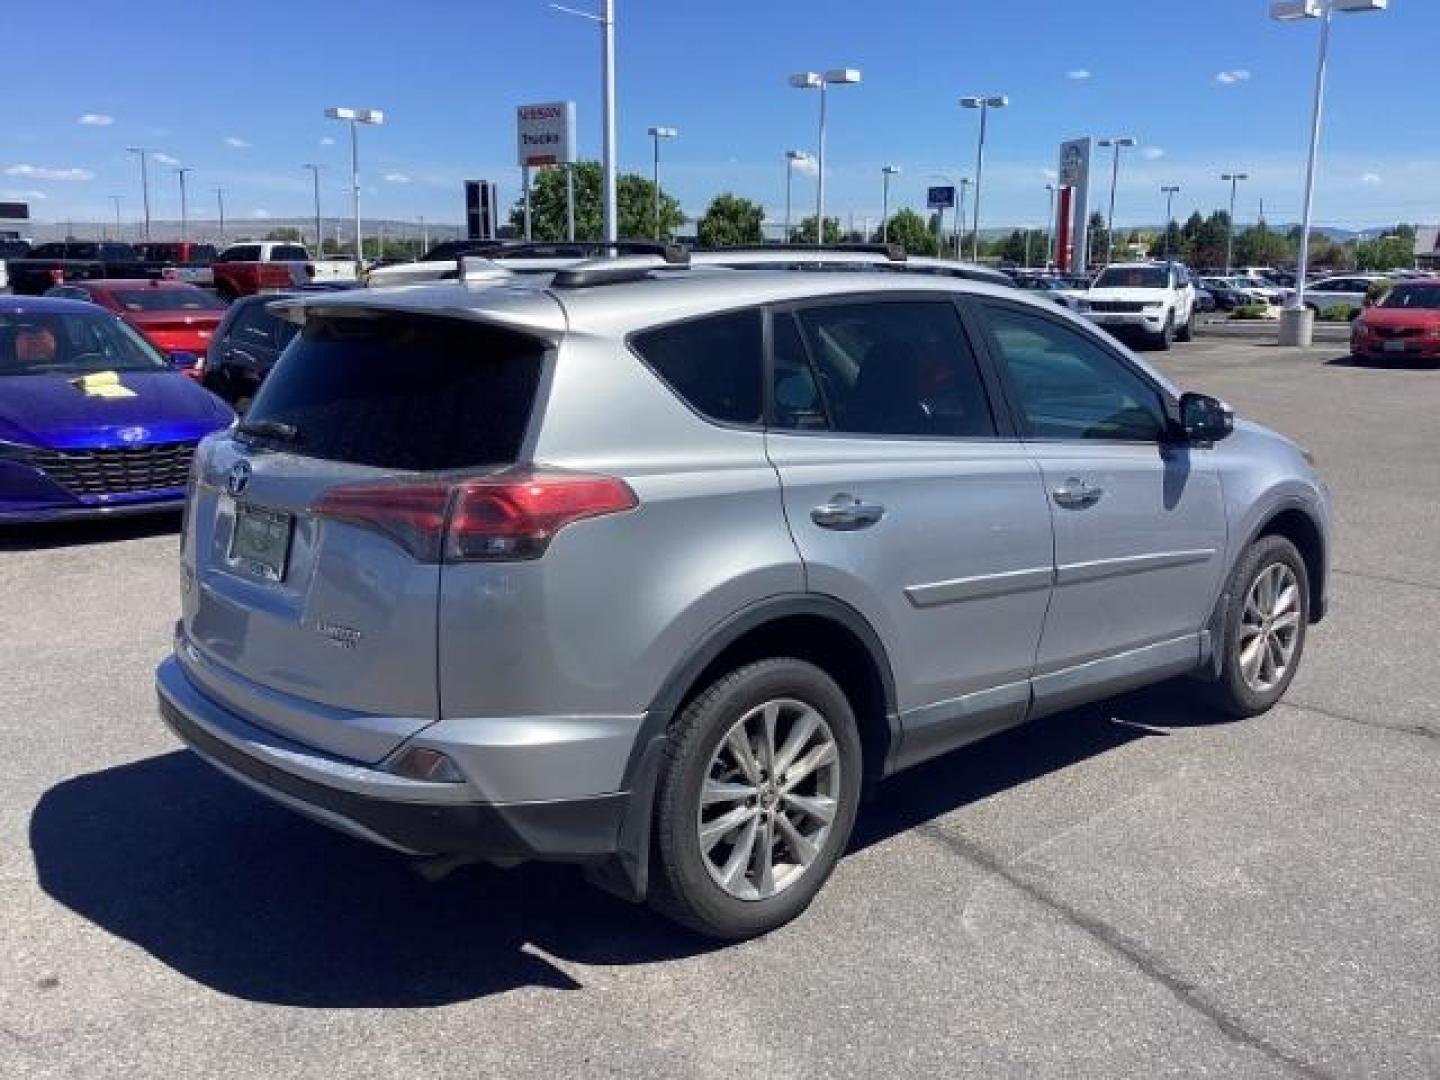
column 1263, row 628
column 1187, row 332
column 757, row 799
column 1166, row 335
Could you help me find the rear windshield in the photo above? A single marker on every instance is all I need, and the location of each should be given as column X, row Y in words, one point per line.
column 173, row 299
column 408, row 393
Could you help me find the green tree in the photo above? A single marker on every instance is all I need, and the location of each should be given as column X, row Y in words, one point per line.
column 805, row 234
column 1099, row 238
column 285, row 234
column 1172, row 240
column 1259, row 246
column 731, row 220
column 1385, row 253
column 908, row 229
column 634, row 198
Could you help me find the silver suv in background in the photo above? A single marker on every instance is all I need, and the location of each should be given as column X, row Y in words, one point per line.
column 654, row 569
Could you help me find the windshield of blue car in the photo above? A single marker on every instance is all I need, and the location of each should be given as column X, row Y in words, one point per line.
column 50, row 343
column 1412, row 296
column 1133, row 277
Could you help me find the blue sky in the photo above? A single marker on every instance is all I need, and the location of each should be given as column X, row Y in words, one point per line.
column 238, row 94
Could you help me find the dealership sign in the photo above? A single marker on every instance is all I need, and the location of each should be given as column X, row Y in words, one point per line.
column 940, row 198
column 545, row 134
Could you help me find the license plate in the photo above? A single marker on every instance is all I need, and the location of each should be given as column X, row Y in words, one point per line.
column 261, row 541
column 1394, row 346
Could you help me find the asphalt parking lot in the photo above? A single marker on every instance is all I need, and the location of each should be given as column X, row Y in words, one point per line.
column 1132, row 889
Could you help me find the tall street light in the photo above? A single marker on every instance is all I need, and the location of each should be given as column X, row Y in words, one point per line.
column 356, row 117
column 814, row 80
column 1050, row 227
column 1170, row 190
column 963, row 186
column 656, row 134
column 1234, row 179
column 606, row 19
column 143, row 152
column 1296, row 324
column 1117, row 143
column 315, row 175
column 184, row 210
column 220, row 203
column 792, row 158
column 119, row 230
column 886, row 173
column 984, row 104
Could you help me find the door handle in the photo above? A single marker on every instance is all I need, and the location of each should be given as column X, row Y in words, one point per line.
column 846, row 513
column 1076, row 494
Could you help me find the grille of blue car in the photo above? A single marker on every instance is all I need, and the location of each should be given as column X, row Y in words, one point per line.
column 119, row 470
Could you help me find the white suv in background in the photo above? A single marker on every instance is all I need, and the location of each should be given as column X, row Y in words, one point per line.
column 1152, row 301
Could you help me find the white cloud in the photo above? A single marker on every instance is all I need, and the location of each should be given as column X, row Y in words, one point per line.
column 165, row 159
column 807, row 166
column 23, row 196
column 1153, row 153
column 95, row 119
column 260, row 214
column 41, row 172
column 1234, row 75
column 1078, row 75
column 1371, row 178
column 237, row 142
column 326, row 140
column 396, row 178
column 1050, row 174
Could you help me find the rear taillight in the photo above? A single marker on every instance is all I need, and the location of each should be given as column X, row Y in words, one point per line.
column 512, row 515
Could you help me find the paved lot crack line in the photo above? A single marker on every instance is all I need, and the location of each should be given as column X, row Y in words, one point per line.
column 1386, row 578
column 1185, row 992
column 1400, row 729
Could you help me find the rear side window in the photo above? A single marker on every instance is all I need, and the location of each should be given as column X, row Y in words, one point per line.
column 413, row 394
column 888, row 368
column 716, row 364
column 288, row 253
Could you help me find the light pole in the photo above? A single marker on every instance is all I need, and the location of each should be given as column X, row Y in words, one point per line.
column 984, row 104
column 656, row 134
column 1050, row 227
column 220, row 202
column 315, row 176
column 119, row 229
column 606, row 19
column 1117, row 143
column 356, row 117
column 885, row 173
column 1296, row 325
column 1234, row 179
column 792, row 158
column 963, row 186
column 184, row 211
column 1170, row 190
column 143, row 152
column 813, row 80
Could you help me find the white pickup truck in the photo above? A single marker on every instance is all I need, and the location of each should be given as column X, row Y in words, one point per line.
column 1152, row 301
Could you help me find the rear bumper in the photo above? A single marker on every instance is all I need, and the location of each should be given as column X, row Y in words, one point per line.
column 412, row 816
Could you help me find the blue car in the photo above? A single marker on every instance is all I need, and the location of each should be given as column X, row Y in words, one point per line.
column 93, row 421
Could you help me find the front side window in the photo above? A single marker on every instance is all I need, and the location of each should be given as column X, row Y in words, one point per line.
column 1070, row 387
column 716, row 364
column 890, row 368
column 288, row 253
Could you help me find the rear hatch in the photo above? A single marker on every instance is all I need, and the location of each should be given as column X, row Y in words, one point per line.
column 321, row 629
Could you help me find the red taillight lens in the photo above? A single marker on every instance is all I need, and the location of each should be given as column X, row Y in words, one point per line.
column 512, row 515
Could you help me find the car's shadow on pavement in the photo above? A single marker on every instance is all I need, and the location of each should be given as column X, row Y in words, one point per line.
column 1384, row 363
column 38, row 536
column 257, row 903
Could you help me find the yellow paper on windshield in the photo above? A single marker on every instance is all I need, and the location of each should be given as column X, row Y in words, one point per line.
column 104, row 384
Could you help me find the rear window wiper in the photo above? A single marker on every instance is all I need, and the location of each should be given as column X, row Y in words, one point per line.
column 278, row 430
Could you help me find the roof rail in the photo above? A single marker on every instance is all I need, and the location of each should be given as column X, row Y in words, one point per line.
column 893, row 252
column 622, row 268
column 479, row 268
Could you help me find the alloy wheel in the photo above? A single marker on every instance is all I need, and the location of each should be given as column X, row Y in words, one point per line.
column 1269, row 627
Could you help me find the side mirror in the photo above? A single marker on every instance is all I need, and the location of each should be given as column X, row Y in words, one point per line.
column 1205, row 419
column 184, row 361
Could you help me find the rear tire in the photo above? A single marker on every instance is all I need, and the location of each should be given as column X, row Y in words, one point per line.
column 749, row 827
column 1262, row 635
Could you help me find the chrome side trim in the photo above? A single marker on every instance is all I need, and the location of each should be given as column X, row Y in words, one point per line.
column 979, row 587
column 1107, row 675
column 1074, row 573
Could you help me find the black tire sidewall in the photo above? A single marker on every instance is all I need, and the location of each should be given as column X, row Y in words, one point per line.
column 1234, row 695
column 684, row 889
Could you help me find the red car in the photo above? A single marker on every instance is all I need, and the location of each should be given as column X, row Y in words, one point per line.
column 1404, row 324
column 171, row 315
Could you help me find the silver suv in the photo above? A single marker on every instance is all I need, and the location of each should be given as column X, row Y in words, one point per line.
column 655, row 570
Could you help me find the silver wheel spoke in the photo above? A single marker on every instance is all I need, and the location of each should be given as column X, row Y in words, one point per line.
column 765, row 860
column 711, row 833
column 732, row 874
column 1289, row 621
column 804, row 727
column 822, row 755
column 769, row 717
column 1250, row 658
column 803, row 849
column 819, row 807
column 716, row 791
column 739, row 745
column 1286, row 601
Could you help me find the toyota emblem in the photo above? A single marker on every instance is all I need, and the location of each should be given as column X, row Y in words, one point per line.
column 239, row 478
